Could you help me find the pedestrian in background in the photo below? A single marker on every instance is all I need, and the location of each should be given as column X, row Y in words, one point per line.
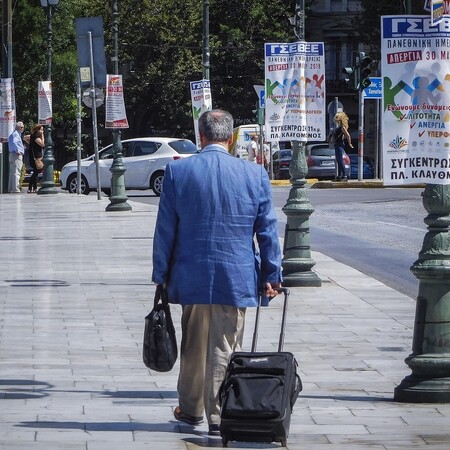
column 252, row 148
column 35, row 151
column 341, row 133
column 16, row 152
column 211, row 209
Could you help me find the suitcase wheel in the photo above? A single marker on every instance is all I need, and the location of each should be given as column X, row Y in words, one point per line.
column 284, row 442
column 224, row 441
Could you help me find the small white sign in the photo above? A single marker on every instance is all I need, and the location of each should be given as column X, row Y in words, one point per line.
column 45, row 102
column 85, row 74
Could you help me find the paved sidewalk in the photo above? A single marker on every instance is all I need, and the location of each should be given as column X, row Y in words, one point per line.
column 74, row 290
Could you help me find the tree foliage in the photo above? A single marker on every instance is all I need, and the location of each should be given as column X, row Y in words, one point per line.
column 160, row 52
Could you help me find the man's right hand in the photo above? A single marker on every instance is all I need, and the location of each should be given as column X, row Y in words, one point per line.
column 271, row 289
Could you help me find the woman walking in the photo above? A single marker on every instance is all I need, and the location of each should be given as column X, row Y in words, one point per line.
column 35, row 150
column 341, row 133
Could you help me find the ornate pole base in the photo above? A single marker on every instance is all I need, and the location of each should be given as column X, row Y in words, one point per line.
column 48, row 185
column 297, row 261
column 118, row 196
column 428, row 388
column 430, row 357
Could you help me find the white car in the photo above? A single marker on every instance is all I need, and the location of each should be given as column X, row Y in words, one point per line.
column 144, row 158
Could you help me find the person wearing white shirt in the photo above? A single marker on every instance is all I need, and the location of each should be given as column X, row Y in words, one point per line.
column 16, row 152
column 252, row 148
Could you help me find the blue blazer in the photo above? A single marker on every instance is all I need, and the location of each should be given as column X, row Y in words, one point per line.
column 211, row 208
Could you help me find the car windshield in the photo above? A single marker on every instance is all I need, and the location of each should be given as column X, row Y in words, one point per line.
column 183, row 146
column 322, row 151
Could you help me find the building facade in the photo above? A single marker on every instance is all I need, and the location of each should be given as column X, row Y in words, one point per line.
column 332, row 22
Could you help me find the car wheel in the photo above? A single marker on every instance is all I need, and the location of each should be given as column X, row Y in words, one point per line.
column 156, row 182
column 72, row 184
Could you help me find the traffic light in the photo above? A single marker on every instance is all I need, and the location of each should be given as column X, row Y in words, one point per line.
column 259, row 114
column 350, row 77
column 364, row 71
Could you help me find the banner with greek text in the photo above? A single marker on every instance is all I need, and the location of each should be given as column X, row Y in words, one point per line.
column 45, row 113
column 7, row 108
column 295, row 92
column 416, row 99
column 116, row 115
column 201, row 102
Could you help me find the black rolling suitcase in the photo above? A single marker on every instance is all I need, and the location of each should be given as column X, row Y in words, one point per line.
column 259, row 391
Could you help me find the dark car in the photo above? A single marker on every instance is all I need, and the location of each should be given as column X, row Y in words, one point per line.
column 368, row 167
column 322, row 162
column 281, row 161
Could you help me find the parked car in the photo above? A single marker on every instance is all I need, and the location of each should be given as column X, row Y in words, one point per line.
column 322, row 162
column 144, row 158
column 281, row 160
column 368, row 167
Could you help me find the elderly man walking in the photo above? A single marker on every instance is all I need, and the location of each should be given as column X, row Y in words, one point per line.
column 215, row 214
column 16, row 153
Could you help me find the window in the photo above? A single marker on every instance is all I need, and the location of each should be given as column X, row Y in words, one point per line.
column 183, row 146
column 148, row 148
column 107, row 153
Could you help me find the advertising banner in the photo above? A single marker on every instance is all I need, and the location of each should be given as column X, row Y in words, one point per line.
column 116, row 115
column 45, row 113
column 416, row 100
column 201, row 102
column 439, row 10
column 7, row 108
column 295, row 92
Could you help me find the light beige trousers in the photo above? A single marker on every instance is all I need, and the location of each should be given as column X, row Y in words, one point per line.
column 210, row 333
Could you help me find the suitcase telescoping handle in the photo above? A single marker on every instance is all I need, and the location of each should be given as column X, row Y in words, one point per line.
column 281, row 290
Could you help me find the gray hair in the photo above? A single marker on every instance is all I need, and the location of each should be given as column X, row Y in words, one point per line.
column 216, row 125
column 19, row 125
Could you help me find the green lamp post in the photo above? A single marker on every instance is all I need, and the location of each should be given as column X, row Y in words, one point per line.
column 206, row 50
column 297, row 262
column 48, row 185
column 118, row 198
column 429, row 361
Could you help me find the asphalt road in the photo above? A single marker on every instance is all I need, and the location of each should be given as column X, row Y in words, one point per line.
column 377, row 231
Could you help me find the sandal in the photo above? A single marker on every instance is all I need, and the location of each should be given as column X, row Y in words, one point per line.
column 182, row 417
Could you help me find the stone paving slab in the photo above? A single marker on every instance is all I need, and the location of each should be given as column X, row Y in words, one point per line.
column 74, row 290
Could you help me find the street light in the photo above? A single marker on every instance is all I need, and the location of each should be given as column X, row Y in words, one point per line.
column 297, row 261
column 48, row 185
column 118, row 197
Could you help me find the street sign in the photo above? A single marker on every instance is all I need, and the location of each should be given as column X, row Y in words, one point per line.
column 261, row 93
column 85, row 75
column 374, row 90
column 334, row 107
column 99, row 97
column 262, row 98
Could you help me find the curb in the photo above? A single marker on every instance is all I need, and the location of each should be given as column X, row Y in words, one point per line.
column 328, row 184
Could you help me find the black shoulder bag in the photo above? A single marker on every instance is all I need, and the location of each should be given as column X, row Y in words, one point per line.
column 160, row 343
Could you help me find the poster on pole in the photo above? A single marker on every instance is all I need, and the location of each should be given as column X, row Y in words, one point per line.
column 416, row 100
column 45, row 114
column 201, row 102
column 295, row 92
column 116, row 116
column 7, row 108
column 440, row 9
